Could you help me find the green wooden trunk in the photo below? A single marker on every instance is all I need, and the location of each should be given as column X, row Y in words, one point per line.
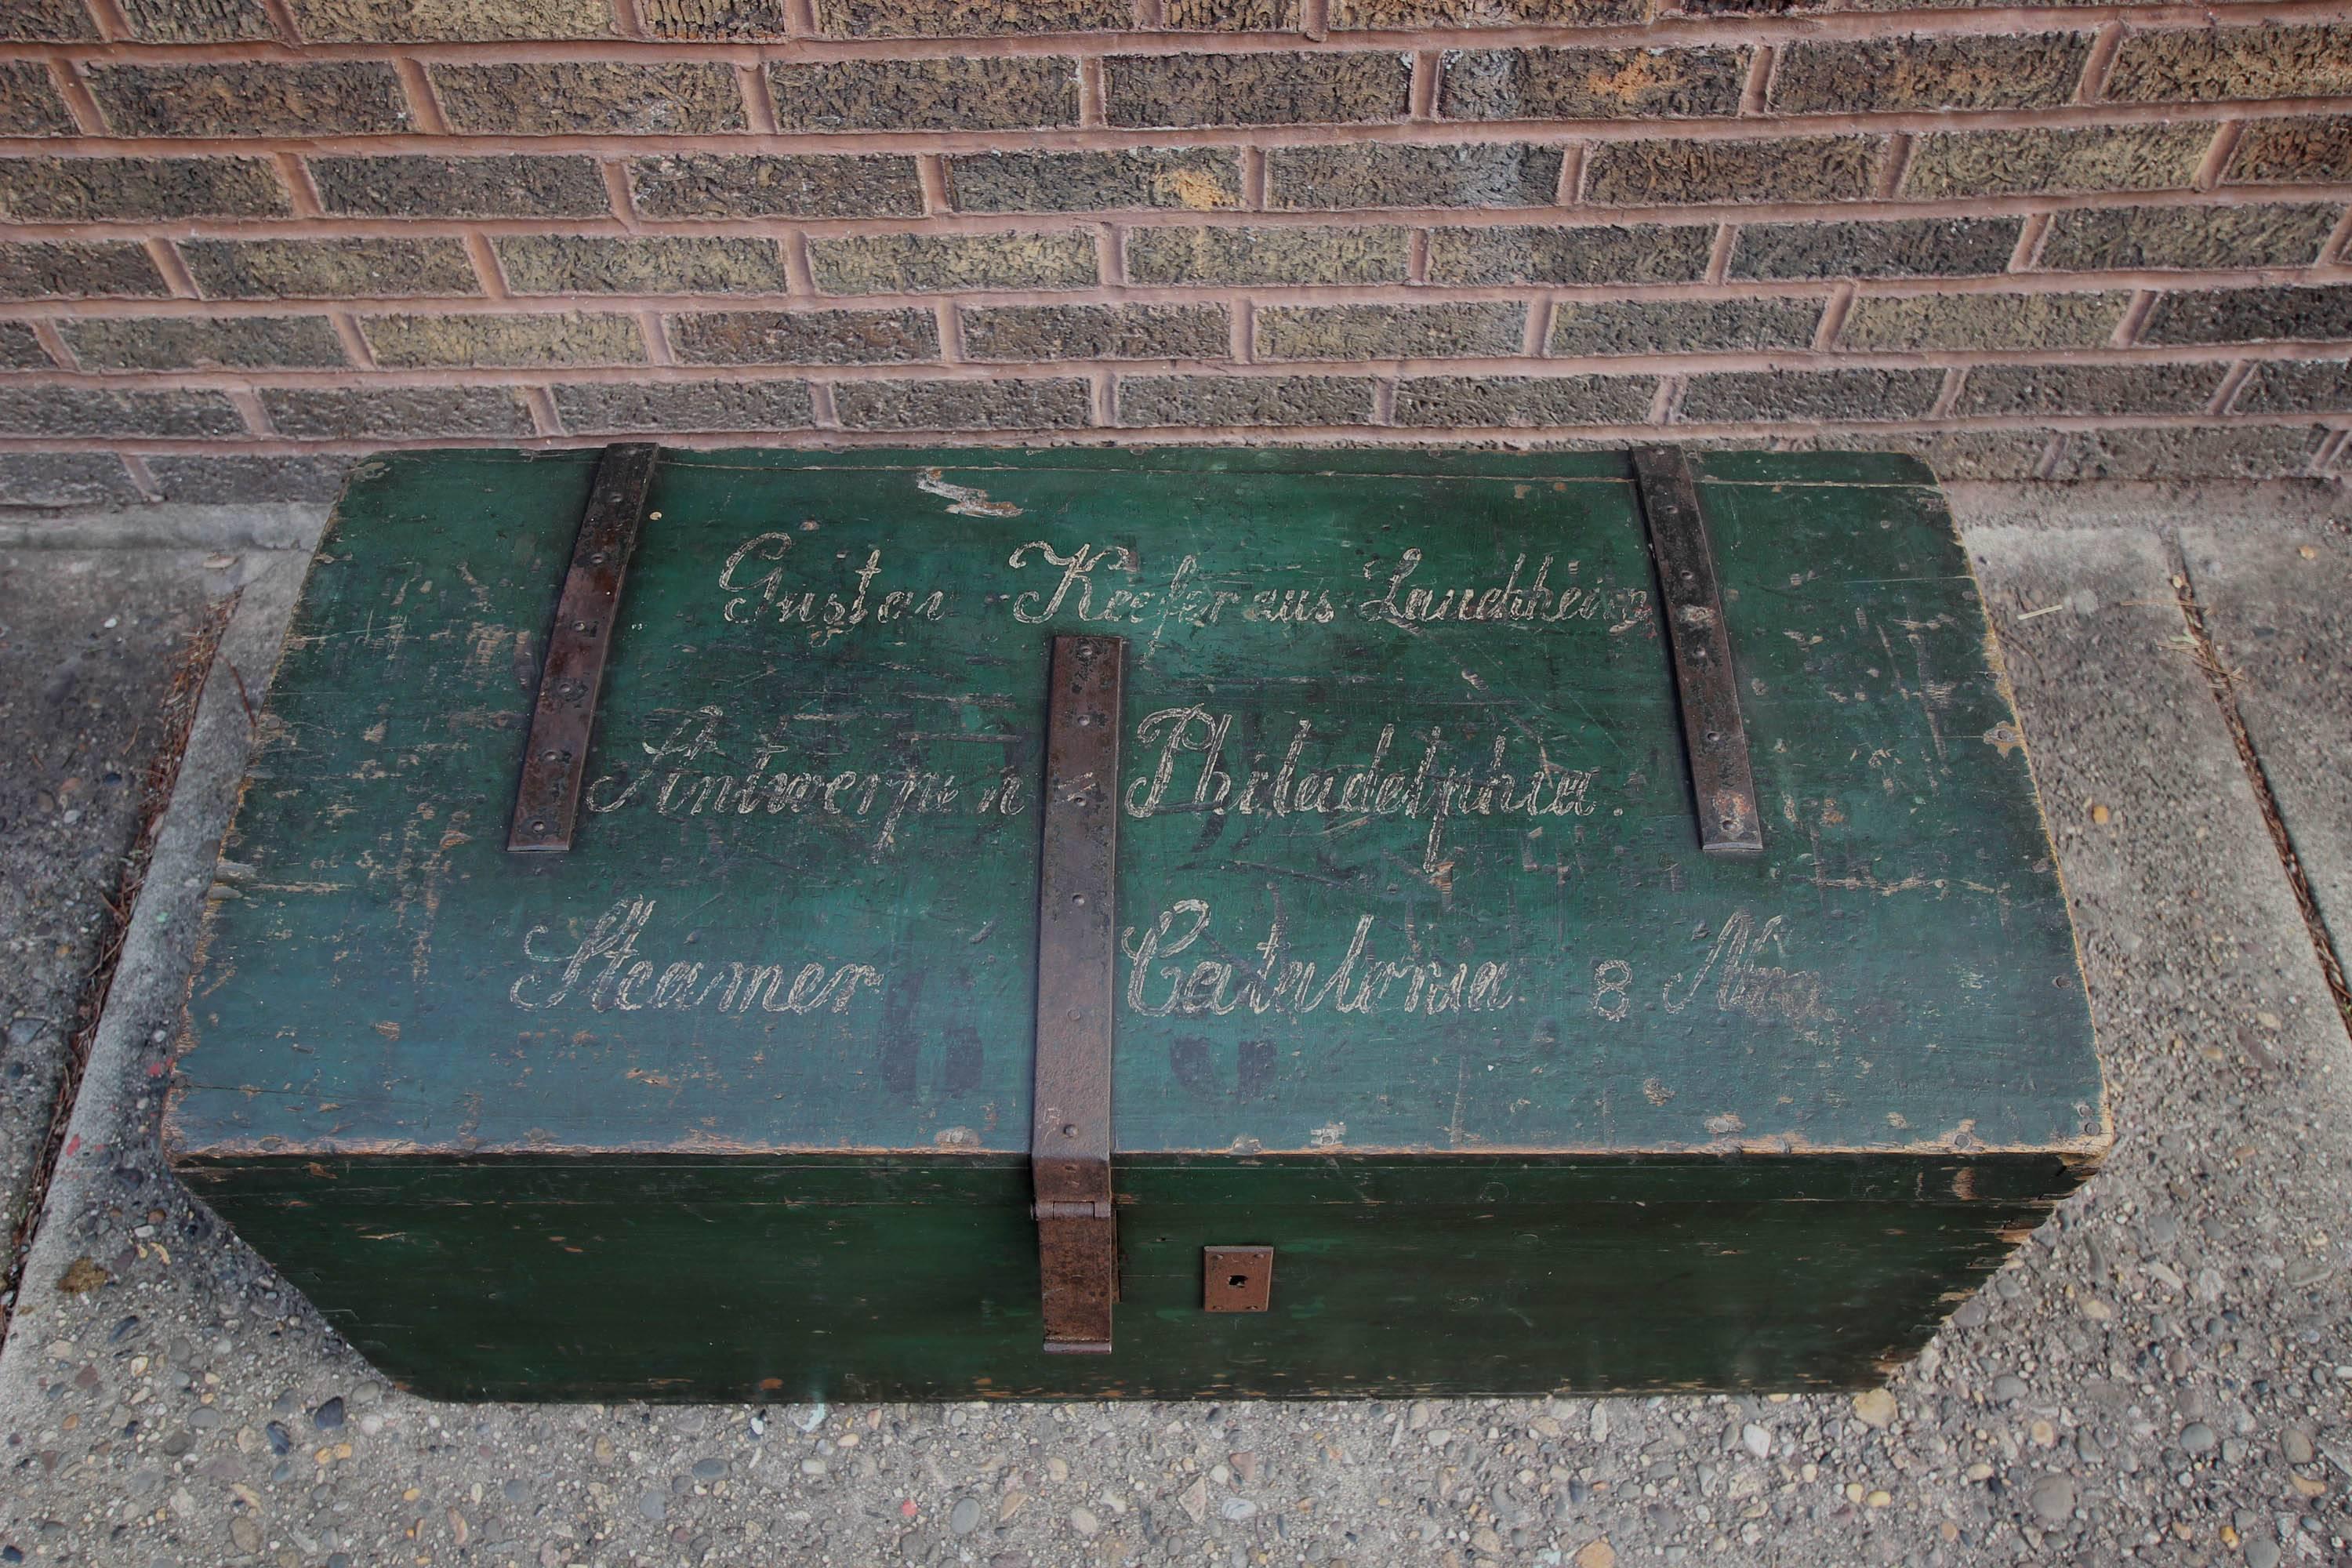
column 1422, row 979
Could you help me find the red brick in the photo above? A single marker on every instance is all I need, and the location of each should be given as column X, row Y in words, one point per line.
column 29, row 104
column 1255, row 89
column 1662, row 172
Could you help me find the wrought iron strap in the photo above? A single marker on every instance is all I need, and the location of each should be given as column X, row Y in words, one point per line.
column 1705, row 682
column 1069, row 1136
column 547, row 798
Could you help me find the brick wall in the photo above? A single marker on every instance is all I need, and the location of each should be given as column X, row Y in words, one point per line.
column 243, row 240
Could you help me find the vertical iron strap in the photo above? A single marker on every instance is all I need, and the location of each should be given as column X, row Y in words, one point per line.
column 547, row 798
column 1706, row 685
column 1069, row 1133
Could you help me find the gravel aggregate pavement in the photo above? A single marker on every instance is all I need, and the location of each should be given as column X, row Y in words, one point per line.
column 2278, row 605
column 2162, row 1375
column 90, row 642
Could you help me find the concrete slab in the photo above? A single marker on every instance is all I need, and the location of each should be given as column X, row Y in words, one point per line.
column 2153, row 1381
column 277, row 525
column 2151, row 506
column 2278, row 605
column 2179, row 1329
column 89, row 646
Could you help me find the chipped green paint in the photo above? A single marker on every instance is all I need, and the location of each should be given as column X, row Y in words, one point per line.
column 1409, row 886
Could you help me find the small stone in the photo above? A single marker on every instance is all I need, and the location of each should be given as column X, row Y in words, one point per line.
column 1485, row 1540
column 1083, row 1521
column 203, row 1417
column 654, row 1506
column 1595, row 1554
column 1756, row 1441
column 964, row 1518
column 365, row 1394
column 2052, row 1499
column 1971, row 1313
column 2009, row 1389
column 329, row 1415
column 1245, row 1466
column 813, row 1467
column 1237, row 1509
column 2261, row 1553
column 246, row 1533
column 2198, row 1438
column 1195, row 1500
column 709, row 1469
column 2295, row 1446
column 1874, row 1407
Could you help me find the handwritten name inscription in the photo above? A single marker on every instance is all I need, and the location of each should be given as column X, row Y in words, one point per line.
column 1193, row 768
column 1178, row 967
column 604, row 972
column 865, row 773
column 1107, row 585
column 1188, row 746
column 1354, row 982
column 885, row 798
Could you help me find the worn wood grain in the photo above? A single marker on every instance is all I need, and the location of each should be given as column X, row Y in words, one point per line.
column 647, row 1278
column 1409, row 883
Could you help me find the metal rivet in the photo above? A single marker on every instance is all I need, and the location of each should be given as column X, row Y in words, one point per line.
column 1069, row 1130
column 539, row 827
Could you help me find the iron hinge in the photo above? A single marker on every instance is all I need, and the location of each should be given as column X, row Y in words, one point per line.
column 1070, row 1132
column 1707, row 688
column 555, row 756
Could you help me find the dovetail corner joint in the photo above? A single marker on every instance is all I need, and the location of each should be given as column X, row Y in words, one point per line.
column 1707, row 688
